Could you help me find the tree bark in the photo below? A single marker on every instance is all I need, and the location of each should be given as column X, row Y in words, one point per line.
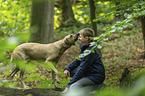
column 42, row 21
column 125, row 80
column 93, row 16
column 143, row 30
column 67, row 14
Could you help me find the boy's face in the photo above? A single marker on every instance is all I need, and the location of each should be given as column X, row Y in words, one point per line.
column 81, row 38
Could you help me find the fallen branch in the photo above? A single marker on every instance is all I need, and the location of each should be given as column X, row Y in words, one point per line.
column 32, row 92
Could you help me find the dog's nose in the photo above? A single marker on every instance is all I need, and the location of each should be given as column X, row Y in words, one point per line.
column 77, row 35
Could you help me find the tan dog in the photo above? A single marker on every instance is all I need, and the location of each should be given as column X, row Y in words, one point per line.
column 47, row 52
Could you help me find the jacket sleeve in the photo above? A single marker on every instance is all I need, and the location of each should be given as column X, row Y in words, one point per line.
column 73, row 65
column 85, row 63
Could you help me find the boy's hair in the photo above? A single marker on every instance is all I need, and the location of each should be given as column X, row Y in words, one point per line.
column 88, row 32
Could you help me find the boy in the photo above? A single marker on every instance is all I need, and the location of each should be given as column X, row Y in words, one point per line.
column 89, row 70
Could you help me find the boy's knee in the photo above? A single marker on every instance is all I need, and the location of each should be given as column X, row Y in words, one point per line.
column 71, row 87
column 74, row 86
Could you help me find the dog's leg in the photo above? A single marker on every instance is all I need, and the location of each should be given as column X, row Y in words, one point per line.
column 13, row 73
column 55, row 74
column 22, row 70
column 21, row 78
column 53, row 78
column 54, row 70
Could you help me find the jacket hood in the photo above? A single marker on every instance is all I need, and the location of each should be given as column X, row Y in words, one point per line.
column 85, row 45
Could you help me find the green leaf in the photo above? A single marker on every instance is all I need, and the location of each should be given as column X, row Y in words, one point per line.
column 99, row 46
column 119, row 29
column 105, row 39
column 143, row 12
column 92, row 50
column 113, row 30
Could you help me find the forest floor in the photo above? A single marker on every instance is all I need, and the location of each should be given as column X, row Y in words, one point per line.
column 121, row 51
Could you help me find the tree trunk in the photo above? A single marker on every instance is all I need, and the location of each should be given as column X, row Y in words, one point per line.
column 93, row 16
column 42, row 21
column 143, row 30
column 67, row 14
column 125, row 80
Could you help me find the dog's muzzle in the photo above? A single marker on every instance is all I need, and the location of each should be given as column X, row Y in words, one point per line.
column 77, row 36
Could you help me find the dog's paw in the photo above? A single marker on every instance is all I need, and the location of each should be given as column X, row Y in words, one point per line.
column 8, row 77
column 58, row 80
column 26, row 87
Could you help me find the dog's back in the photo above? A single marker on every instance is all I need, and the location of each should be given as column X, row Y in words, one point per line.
column 30, row 51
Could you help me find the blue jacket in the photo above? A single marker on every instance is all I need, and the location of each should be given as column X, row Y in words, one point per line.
column 90, row 66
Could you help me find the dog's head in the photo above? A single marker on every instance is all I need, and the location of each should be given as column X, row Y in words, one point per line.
column 71, row 39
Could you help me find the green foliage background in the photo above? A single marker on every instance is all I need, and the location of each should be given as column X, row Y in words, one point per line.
column 15, row 16
column 126, row 51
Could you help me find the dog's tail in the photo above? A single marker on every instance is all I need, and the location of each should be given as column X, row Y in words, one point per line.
column 11, row 58
column 14, row 56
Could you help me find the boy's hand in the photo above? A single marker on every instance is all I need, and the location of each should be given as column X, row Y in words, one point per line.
column 66, row 73
column 65, row 90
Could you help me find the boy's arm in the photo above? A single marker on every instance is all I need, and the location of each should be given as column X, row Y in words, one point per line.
column 85, row 63
column 73, row 65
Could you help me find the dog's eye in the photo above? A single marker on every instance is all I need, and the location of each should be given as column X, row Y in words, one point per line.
column 71, row 36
